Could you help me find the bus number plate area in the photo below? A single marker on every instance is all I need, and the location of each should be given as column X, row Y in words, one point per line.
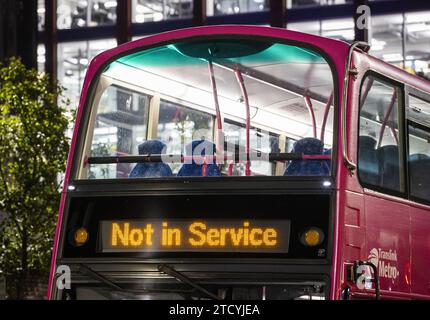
column 194, row 235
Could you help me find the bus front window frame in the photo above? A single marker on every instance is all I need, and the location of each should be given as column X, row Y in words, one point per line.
column 97, row 91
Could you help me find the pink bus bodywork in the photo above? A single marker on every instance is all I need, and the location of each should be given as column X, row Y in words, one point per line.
column 363, row 219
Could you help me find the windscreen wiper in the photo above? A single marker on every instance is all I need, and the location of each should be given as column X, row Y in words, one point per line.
column 84, row 269
column 175, row 274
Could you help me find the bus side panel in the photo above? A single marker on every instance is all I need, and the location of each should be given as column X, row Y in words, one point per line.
column 420, row 255
column 388, row 245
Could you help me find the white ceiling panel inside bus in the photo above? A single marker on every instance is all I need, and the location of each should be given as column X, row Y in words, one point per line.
column 265, row 84
column 276, row 79
column 281, row 66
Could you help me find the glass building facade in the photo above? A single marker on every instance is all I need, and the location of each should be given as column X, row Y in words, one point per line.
column 399, row 32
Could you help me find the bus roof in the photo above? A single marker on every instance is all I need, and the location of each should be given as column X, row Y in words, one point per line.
column 335, row 49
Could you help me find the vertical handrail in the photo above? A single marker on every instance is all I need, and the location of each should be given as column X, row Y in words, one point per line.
column 366, row 91
column 308, row 103
column 387, row 115
column 248, row 118
column 218, row 144
column 215, row 95
column 326, row 112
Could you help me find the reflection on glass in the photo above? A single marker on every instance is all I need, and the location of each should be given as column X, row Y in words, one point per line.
column 156, row 10
column 89, row 13
column 222, row 7
column 176, row 124
column 73, row 60
column 118, row 105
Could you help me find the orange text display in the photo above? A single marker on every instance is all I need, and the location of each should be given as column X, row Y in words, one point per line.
column 210, row 235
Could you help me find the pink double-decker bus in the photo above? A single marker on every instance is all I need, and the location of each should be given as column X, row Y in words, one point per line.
column 243, row 162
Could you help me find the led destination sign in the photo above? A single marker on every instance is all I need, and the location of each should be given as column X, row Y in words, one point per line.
column 182, row 235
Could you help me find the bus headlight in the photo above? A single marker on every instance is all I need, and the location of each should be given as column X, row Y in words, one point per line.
column 312, row 237
column 81, row 236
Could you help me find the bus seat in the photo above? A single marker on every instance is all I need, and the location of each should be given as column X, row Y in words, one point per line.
column 367, row 160
column 308, row 146
column 388, row 159
column 194, row 169
column 151, row 169
column 419, row 180
column 327, row 152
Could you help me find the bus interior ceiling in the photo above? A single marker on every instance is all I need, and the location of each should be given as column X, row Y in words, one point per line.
column 277, row 91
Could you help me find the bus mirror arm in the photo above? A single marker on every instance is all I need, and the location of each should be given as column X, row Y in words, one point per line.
column 355, row 275
column 351, row 166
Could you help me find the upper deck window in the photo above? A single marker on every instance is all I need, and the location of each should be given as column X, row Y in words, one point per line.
column 418, row 115
column 379, row 147
column 212, row 108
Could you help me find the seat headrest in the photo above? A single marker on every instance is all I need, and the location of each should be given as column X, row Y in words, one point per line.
column 151, row 169
column 309, row 146
column 152, row 147
column 418, row 157
column 200, row 148
column 367, row 142
column 388, row 150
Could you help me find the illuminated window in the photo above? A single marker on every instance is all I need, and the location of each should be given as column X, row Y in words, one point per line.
column 314, row 3
column 73, row 14
column 311, row 27
column 73, row 60
column 417, row 42
column 387, row 40
column 390, row 32
column 41, row 57
column 223, row 7
column 342, row 29
column 418, row 114
column 41, row 15
column 155, row 10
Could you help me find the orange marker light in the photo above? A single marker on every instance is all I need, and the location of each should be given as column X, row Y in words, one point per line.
column 81, row 236
column 312, row 237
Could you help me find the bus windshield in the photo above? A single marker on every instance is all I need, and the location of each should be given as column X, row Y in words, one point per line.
column 217, row 107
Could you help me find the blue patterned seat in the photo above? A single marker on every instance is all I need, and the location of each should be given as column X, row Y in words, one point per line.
column 419, row 168
column 327, row 152
column 308, row 146
column 151, row 169
column 388, row 158
column 196, row 148
column 368, row 167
